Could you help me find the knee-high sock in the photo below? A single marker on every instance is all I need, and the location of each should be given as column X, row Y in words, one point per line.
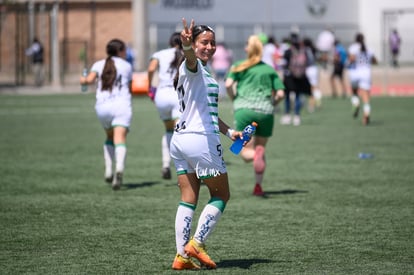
column 208, row 219
column 367, row 109
column 355, row 101
column 165, row 146
column 120, row 156
column 109, row 155
column 259, row 163
column 183, row 221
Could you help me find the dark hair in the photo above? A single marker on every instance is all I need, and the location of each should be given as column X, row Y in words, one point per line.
column 175, row 41
column 295, row 40
column 307, row 42
column 113, row 48
column 360, row 39
column 200, row 29
column 196, row 31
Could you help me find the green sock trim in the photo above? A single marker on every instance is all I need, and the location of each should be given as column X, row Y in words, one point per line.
column 120, row 144
column 189, row 205
column 217, row 202
column 109, row 142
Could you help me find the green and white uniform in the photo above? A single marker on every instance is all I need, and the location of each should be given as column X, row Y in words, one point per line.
column 195, row 146
column 166, row 99
column 114, row 108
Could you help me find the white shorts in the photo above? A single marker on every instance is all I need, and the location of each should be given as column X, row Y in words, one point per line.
column 360, row 78
column 114, row 113
column 198, row 153
column 312, row 75
column 166, row 102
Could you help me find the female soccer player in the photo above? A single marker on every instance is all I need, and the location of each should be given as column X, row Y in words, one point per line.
column 113, row 106
column 259, row 88
column 359, row 70
column 196, row 148
column 166, row 63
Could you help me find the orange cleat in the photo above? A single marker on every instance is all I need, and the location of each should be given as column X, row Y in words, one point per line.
column 181, row 263
column 199, row 252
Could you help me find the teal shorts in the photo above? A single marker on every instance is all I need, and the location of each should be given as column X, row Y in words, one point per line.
column 265, row 122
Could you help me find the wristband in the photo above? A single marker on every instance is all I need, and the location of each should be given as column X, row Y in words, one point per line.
column 229, row 132
column 186, row 48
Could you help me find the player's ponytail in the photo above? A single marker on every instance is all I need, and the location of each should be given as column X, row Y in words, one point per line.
column 113, row 48
column 254, row 50
column 360, row 39
column 175, row 41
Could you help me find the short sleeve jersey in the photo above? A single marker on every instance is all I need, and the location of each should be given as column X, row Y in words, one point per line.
column 362, row 59
column 198, row 98
column 255, row 86
column 120, row 88
column 165, row 72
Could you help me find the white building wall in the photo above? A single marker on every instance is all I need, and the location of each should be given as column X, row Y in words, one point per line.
column 371, row 21
column 345, row 17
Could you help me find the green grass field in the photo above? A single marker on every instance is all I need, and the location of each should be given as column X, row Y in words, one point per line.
column 327, row 211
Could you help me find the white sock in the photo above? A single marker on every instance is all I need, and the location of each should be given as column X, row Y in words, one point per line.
column 258, row 177
column 367, row 109
column 165, row 148
column 120, row 156
column 317, row 94
column 109, row 155
column 183, row 221
column 207, row 222
column 355, row 101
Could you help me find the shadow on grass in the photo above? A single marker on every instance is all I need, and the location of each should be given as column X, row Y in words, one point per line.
column 139, row 185
column 282, row 192
column 241, row 263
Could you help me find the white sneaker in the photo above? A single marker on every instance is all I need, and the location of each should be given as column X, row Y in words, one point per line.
column 296, row 120
column 285, row 120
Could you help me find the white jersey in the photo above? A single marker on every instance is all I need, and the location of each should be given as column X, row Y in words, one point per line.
column 165, row 72
column 362, row 59
column 198, row 96
column 269, row 52
column 120, row 88
column 360, row 70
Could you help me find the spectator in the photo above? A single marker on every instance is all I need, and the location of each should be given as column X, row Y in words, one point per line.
column 312, row 73
column 339, row 60
column 395, row 44
column 130, row 55
column 270, row 52
column 325, row 45
column 36, row 53
column 221, row 62
column 295, row 79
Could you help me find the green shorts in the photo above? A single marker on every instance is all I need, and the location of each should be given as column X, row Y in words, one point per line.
column 265, row 122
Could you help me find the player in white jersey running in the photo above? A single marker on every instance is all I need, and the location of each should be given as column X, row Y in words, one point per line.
column 196, row 148
column 113, row 107
column 165, row 98
column 359, row 70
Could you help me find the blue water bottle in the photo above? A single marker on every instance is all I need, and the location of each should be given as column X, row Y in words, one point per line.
column 84, row 87
column 365, row 155
column 248, row 132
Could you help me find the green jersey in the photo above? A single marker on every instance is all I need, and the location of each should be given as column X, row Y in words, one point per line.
column 255, row 86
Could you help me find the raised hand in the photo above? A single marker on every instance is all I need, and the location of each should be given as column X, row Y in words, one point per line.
column 187, row 33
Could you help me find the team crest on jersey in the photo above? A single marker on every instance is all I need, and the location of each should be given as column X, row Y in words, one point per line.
column 317, row 7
